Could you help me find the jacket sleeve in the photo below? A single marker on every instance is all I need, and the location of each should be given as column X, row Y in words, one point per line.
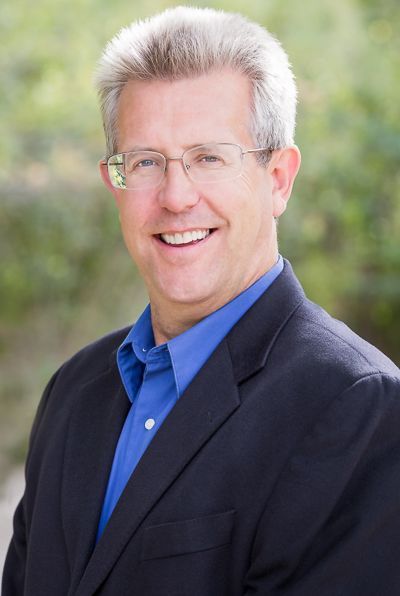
column 13, row 580
column 332, row 524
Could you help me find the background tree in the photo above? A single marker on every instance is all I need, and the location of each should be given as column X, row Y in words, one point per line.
column 65, row 275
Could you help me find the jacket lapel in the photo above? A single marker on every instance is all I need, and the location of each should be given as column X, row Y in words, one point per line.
column 207, row 403
column 95, row 425
column 203, row 408
column 252, row 338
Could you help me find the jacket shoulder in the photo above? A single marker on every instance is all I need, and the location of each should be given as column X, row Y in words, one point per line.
column 333, row 345
column 95, row 358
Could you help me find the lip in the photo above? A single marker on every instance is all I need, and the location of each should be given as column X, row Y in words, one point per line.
column 183, row 230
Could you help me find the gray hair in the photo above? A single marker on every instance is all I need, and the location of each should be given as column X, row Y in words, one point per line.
column 185, row 42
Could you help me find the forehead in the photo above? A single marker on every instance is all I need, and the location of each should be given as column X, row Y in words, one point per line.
column 166, row 114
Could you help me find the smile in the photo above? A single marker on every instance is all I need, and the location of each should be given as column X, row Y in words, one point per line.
column 188, row 237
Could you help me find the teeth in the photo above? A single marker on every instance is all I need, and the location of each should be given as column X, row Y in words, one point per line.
column 186, row 237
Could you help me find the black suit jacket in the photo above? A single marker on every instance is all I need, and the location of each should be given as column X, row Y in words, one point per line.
column 277, row 472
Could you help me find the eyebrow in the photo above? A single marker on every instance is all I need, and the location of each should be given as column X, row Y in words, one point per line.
column 186, row 147
column 140, row 148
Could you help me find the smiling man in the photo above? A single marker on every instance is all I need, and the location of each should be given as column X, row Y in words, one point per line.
column 200, row 228
column 236, row 440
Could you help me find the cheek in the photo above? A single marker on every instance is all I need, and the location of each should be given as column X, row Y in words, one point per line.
column 127, row 221
column 134, row 213
column 257, row 202
column 246, row 183
column 131, row 232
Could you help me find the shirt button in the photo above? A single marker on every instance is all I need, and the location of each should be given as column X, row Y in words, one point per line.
column 150, row 422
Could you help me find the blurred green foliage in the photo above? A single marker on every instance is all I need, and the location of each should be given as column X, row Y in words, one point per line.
column 65, row 278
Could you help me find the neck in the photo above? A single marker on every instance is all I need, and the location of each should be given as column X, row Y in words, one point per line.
column 171, row 322
column 171, row 319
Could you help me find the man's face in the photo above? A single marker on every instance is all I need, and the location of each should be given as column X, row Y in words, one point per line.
column 237, row 215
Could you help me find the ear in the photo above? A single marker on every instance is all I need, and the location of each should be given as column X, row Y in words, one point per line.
column 285, row 164
column 105, row 176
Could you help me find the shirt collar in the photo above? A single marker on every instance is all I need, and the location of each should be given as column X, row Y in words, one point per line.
column 201, row 340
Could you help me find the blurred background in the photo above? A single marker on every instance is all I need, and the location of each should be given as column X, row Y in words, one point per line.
column 65, row 277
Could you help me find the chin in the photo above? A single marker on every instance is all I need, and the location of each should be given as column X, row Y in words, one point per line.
column 187, row 298
column 185, row 295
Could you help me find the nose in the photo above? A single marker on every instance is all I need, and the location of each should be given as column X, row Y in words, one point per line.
column 177, row 192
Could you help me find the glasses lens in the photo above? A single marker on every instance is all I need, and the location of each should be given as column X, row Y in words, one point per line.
column 116, row 172
column 136, row 169
column 213, row 162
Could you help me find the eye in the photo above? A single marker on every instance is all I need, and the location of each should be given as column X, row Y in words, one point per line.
column 146, row 163
column 141, row 164
column 209, row 160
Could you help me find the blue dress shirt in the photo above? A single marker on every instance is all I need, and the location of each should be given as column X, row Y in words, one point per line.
column 155, row 377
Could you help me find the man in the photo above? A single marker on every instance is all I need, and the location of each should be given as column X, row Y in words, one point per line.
column 236, row 440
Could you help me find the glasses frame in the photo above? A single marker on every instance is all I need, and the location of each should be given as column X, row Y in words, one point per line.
column 181, row 158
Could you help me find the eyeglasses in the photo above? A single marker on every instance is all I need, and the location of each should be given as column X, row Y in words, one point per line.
column 213, row 162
